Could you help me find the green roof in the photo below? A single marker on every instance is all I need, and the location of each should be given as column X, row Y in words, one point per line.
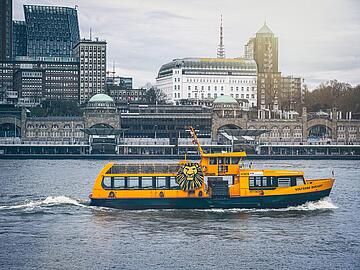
column 225, row 99
column 101, row 98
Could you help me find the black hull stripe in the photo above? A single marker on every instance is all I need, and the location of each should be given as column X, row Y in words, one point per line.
column 275, row 201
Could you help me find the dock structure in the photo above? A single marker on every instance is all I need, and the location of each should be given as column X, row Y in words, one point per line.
column 18, row 149
column 309, row 150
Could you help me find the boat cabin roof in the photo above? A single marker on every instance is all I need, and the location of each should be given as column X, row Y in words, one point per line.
column 143, row 168
column 230, row 154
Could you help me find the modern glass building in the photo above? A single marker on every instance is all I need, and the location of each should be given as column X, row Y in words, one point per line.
column 5, row 30
column 19, row 39
column 51, row 30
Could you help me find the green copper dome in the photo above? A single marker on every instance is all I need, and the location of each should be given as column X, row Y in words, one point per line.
column 225, row 100
column 101, row 98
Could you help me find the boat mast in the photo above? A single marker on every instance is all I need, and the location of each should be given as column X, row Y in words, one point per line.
column 196, row 140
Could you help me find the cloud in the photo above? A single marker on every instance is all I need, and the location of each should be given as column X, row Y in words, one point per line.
column 164, row 15
column 317, row 39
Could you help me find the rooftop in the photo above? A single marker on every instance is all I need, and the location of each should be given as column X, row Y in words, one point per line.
column 217, row 65
column 101, row 98
column 225, row 99
column 264, row 30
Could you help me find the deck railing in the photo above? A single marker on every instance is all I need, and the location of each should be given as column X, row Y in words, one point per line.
column 145, row 168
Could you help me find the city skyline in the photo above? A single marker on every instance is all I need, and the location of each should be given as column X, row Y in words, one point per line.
column 157, row 32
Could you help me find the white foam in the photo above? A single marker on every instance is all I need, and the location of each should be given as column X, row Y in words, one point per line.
column 323, row 204
column 48, row 201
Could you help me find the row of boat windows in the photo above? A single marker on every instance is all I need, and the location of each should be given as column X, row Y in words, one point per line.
column 142, row 182
column 268, row 182
column 226, row 160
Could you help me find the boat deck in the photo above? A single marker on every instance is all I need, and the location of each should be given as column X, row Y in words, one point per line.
column 144, row 168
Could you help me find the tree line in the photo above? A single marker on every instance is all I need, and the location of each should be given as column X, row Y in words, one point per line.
column 333, row 94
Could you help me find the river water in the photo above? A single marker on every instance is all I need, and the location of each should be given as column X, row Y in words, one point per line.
column 46, row 223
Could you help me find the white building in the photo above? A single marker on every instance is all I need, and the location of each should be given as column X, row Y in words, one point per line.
column 208, row 78
column 92, row 57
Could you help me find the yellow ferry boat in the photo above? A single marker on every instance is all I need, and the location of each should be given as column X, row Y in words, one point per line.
column 219, row 180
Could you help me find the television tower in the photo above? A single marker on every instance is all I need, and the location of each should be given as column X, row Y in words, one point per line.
column 221, row 49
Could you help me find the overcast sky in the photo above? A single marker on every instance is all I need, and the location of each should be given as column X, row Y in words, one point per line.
column 318, row 40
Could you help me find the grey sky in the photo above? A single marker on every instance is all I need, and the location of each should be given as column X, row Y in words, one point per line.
column 318, row 40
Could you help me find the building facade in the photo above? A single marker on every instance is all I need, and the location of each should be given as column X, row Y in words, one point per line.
column 7, row 93
column 208, row 78
column 92, row 57
column 19, row 39
column 52, row 31
column 60, row 80
column 291, row 93
column 6, row 30
column 263, row 48
column 121, row 95
column 29, row 84
column 120, row 82
column 162, row 129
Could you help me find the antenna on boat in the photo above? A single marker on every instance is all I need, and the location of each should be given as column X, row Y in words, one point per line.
column 196, row 140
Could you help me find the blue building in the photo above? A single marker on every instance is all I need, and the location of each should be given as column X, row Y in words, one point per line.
column 19, row 39
column 51, row 30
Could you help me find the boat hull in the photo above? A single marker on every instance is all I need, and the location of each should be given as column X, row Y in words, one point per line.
column 273, row 201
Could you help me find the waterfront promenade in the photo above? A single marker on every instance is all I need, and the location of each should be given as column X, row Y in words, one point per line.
column 17, row 149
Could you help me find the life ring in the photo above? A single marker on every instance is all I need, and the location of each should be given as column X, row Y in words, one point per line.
column 111, row 194
column 161, row 194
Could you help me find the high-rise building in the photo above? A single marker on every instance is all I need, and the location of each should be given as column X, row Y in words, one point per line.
column 6, row 30
column 263, row 48
column 51, row 30
column 19, row 39
column 92, row 57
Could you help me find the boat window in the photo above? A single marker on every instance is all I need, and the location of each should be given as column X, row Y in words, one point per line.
column 106, row 182
column 161, row 182
column 284, row 182
column 235, row 160
column 300, row 181
column 119, row 182
column 173, row 184
column 265, row 181
column 262, row 182
column 221, row 161
column 132, row 182
column 227, row 160
column 258, row 181
column 213, row 161
column 252, row 181
column 146, row 182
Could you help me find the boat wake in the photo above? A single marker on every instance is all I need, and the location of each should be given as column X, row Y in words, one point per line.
column 50, row 201
column 323, row 204
column 47, row 202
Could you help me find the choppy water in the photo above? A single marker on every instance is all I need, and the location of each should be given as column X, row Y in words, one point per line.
column 46, row 223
